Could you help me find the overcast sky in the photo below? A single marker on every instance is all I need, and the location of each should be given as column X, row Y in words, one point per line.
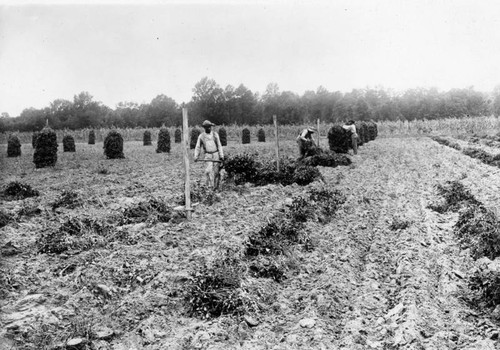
column 129, row 52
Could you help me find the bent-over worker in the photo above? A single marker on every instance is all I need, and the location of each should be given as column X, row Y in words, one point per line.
column 214, row 155
column 354, row 135
column 306, row 141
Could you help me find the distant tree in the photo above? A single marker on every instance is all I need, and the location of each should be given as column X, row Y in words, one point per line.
column 208, row 102
column 162, row 110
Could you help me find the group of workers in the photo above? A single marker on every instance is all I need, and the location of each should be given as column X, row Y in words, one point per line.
column 209, row 141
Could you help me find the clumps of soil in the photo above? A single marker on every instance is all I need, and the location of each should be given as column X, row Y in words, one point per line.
column 223, row 136
column 146, row 138
column 245, row 136
column 68, row 143
column 13, row 146
column 163, row 145
column 339, row 139
column 113, row 145
column 152, row 210
column 73, row 234
column 246, row 167
column 453, row 195
column 446, row 142
column 195, row 133
column 16, row 191
column 177, row 136
column 261, row 135
column 478, row 228
column 483, row 156
column 46, row 149
column 215, row 289
column 68, row 199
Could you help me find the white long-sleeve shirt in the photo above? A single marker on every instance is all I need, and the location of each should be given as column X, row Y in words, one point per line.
column 211, row 144
column 352, row 128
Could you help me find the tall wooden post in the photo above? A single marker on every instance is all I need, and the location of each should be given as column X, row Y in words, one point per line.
column 319, row 134
column 275, row 120
column 185, row 151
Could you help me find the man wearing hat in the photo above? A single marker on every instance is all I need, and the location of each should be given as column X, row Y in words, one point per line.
column 210, row 142
column 350, row 126
column 306, row 141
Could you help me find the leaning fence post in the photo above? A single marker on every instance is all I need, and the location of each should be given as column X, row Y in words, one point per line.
column 185, row 151
column 275, row 120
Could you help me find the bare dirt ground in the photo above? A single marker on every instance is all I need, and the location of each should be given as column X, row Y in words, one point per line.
column 369, row 283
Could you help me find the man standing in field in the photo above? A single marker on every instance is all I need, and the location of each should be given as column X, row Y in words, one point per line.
column 210, row 142
column 349, row 126
column 306, row 142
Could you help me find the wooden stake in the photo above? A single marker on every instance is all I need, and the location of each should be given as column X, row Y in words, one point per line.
column 319, row 135
column 275, row 120
column 185, row 151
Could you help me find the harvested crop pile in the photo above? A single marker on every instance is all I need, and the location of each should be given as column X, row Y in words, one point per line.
column 46, row 149
column 287, row 227
column 246, row 167
column 339, row 139
column 223, row 136
column 68, row 199
column 486, row 283
column 152, row 210
column 483, row 156
column 215, row 289
column 113, row 145
column 68, row 143
column 362, row 130
column 194, row 138
column 199, row 194
column 5, row 218
column 372, row 131
column 177, row 136
column 399, row 224
column 73, row 234
column 16, row 190
column 91, row 137
column 34, row 137
column 446, row 142
column 261, row 135
column 146, row 138
column 245, row 136
column 479, row 229
column 454, row 196
column 13, row 146
column 163, row 145
column 326, row 202
column 276, row 237
column 328, row 159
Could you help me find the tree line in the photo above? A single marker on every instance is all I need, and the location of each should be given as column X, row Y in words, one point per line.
column 239, row 105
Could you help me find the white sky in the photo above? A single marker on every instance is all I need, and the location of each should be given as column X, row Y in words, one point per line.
column 131, row 52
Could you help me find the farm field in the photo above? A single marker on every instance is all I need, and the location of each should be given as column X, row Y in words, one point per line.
column 385, row 273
